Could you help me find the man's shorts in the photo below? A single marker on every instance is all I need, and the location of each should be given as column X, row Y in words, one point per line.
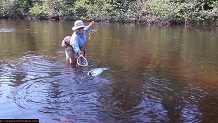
column 70, row 53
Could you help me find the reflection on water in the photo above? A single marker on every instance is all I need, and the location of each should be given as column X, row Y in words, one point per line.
column 165, row 74
column 6, row 30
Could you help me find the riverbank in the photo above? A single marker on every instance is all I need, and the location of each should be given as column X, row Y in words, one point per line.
column 155, row 12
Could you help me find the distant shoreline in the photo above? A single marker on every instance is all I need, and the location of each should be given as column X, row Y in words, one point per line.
column 190, row 25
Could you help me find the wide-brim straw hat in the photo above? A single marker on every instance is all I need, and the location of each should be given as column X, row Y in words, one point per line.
column 78, row 24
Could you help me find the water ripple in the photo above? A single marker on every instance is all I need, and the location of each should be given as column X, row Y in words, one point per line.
column 48, row 85
column 6, row 30
column 173, row 99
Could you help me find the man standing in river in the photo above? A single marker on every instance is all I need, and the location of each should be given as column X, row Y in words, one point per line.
column 74, row 45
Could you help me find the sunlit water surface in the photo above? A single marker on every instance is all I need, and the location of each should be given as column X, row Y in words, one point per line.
column 156, row 74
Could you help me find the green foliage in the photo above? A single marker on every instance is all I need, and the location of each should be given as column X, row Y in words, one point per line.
column 146, row 11
column 14, row 8
column 101, row 10
column 159, row 11
column 47, row 9
column 7, row 8
column 211, row 14
column 38, row 10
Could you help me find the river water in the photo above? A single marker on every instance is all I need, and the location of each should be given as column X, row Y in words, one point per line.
column 156, row 74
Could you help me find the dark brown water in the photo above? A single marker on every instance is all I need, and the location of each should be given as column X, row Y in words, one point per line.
column 156, row 74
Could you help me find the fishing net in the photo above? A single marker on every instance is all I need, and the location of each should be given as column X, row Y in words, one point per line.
column 81, row 61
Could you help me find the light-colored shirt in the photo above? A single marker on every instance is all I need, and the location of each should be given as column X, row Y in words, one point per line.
column 78, row 41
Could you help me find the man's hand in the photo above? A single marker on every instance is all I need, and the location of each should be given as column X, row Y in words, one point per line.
column 80, row 53
column 92, row 23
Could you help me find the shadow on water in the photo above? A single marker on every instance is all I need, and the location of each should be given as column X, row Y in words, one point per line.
column 153, row 74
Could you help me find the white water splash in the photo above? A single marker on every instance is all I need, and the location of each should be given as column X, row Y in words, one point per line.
column 96, row 71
